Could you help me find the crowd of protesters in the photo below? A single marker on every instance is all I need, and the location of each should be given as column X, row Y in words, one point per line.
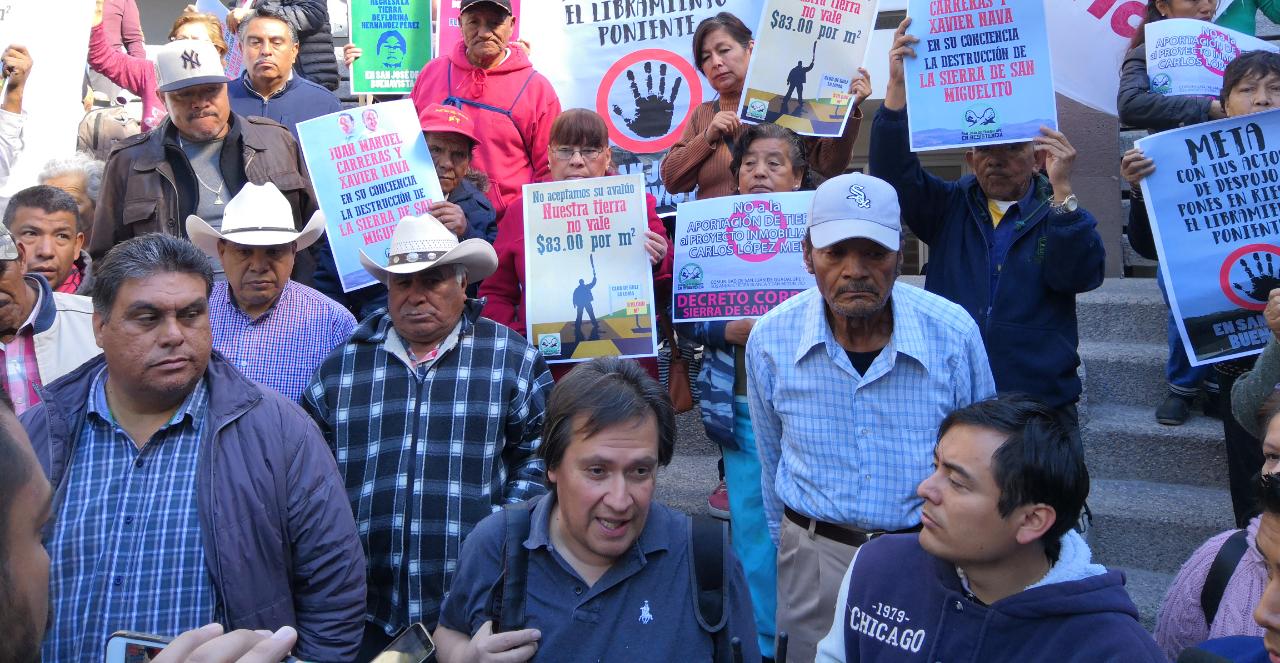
column 205, row 439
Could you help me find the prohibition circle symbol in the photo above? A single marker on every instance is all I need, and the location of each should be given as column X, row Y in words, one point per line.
column 1224, row 277
column 692, row 82
column 769, row 250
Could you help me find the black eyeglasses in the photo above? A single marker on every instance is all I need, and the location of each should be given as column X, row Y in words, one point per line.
column 588, row 153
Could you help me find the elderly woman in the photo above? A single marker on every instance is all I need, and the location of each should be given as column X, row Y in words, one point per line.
column 722, row 48
column 579, row 149
column 767, row 158
column 1184, row 619
column 451, row 138
column 138, row 75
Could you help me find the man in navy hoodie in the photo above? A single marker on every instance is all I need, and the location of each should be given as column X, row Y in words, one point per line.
column 268, row 86
column 996, row 573
column 1009, row 244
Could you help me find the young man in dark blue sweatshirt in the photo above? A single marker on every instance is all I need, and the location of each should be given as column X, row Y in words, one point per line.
column 996, row 573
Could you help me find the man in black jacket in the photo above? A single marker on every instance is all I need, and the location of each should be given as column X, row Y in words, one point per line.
column 197, row 159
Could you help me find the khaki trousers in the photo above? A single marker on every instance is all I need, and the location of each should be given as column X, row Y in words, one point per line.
column 810, row 569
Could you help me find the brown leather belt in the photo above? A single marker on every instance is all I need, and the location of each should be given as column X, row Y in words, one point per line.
column 849, row 536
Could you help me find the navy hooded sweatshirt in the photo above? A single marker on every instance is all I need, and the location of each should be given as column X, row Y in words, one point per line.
column 903, row 604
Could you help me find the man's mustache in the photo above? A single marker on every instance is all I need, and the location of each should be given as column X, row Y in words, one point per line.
column 858, row 287
column 195, row 115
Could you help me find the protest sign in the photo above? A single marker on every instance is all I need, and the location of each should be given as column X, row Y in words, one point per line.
column 369, row 167
column 449, row 30
column 235, row 58
column 739, row 256
column 1214, row 204
column 835, row 37
column 632, row 64
column 1088, row 42
column 584, row 250
column 53, row 96
column 982, row 73
column 396, row 40
column 1187, row 56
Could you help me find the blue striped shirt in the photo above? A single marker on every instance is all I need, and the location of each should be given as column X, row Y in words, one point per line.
column 846, row 448
column 283, row 347
column 125, row 549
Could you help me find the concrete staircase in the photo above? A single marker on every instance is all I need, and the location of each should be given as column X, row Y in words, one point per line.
column 1157, row 491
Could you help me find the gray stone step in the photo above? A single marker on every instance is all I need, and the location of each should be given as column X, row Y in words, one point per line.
column 1124, row 373
column 1127, row 310
column 1125, row 442
column 1147, row 589
column 1153, row 526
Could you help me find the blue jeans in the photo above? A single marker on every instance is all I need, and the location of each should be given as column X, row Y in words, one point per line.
column 751, row 541
column 1184, row 379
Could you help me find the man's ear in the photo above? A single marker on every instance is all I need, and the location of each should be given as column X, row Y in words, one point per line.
column 1033, row 521
column 807, row 254
column 969, row 159
column 98, row 321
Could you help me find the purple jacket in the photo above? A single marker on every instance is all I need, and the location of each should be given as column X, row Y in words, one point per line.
column 279, row 538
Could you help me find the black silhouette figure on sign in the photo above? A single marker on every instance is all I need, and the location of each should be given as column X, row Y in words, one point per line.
column 582, row 301
column 652, row 118
column 796, row 79
column 1262, row 280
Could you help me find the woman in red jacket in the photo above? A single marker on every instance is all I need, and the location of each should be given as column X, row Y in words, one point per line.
column 579, row 149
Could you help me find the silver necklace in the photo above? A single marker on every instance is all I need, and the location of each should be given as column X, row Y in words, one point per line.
column 217, row 193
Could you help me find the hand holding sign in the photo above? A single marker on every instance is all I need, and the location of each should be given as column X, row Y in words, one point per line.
column 1272, row 313
column 895, row 94
column 1135, row 166
column 1058, row 157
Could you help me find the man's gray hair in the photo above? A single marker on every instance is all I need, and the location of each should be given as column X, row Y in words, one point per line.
column 268, row 10
column 141, row 257
column 80, row 163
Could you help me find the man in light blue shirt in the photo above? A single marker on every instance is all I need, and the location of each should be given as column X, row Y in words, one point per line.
column 848, row 383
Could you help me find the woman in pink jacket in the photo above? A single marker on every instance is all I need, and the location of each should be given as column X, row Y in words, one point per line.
column 138, row 75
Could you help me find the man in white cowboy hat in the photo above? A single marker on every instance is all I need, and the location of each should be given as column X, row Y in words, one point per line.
column 275, row 330
column 197, row 160
column 435, row 415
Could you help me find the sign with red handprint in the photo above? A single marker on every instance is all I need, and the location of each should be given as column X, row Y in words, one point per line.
column 1214, row 205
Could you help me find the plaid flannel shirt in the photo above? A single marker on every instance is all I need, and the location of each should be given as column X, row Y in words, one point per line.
column 283, row 347
column 438, row 448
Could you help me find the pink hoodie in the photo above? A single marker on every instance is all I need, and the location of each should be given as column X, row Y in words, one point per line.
column 512, row 151
column 137, row 75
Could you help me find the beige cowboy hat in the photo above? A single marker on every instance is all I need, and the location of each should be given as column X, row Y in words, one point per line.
column 257, row 216
column 422, row 242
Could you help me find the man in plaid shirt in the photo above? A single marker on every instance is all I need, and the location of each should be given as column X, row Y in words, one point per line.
column 435, row 416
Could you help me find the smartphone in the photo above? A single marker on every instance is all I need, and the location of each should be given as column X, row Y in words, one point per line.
column 130, row 647
column 413, row 645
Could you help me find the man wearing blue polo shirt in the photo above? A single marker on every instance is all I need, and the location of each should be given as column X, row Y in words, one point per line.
column 609, row 570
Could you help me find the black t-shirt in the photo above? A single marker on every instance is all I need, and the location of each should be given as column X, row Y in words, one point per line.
column 862, row 360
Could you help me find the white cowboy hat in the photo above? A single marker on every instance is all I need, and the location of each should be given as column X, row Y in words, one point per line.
column 422, row 242
column 257, row 216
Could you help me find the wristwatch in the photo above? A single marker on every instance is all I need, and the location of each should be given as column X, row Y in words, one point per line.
column 1067, row 206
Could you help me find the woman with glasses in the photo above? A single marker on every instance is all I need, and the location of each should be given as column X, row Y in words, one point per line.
column 138, row 75
column 579, row 150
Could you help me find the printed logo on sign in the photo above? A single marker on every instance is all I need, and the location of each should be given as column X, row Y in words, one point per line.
column 758, row 109
column 691, row 276
column 1161, row 84
column 983, row 123
column 549, row 345
column 859, row 195
column 1216, row 50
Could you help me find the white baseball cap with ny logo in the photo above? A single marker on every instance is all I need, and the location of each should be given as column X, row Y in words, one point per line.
column 186, row 62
